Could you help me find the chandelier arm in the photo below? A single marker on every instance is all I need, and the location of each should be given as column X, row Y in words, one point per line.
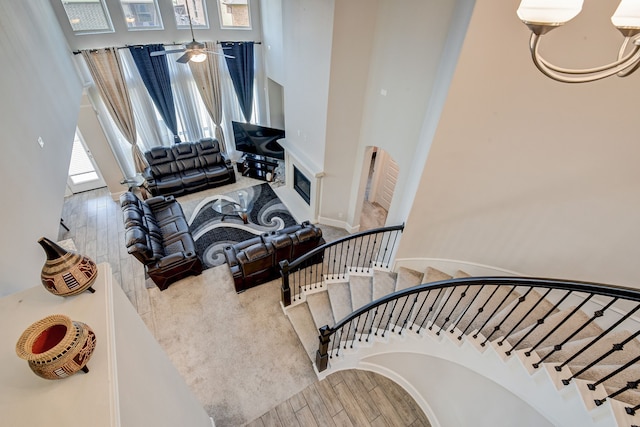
column 573, row 78
column 623, row 48
column 620, row 65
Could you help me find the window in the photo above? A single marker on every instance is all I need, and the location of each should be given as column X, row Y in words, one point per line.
column 141, row 14
column 234, row 14
column 197, row 9
column 88, row 16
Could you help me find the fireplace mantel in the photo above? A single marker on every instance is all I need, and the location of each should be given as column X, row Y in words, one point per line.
column 298, row 207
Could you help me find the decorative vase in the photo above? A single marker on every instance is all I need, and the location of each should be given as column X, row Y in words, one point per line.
column 56, row 346
column 66, row 273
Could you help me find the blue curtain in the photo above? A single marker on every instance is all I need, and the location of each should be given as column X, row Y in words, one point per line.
column 155, row 75
column 241, row 70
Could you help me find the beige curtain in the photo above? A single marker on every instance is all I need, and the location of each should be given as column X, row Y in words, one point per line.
column 107, row 73
column 207, row 79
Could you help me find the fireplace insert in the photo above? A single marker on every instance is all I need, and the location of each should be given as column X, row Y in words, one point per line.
column 302, row 185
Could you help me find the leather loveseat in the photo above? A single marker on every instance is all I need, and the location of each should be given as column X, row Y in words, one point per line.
column 187, row 167
column 256, row 261
column 157, row 234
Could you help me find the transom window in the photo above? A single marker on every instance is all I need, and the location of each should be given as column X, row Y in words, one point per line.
column 141, row 14
column 234, row 14
column 197, row 9
column 88, row 16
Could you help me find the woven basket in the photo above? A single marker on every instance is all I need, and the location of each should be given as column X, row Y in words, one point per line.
column 56, row 346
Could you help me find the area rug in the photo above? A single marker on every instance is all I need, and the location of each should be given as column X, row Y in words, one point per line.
column 213, row 231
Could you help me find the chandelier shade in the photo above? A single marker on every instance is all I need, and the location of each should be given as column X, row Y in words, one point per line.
column 541, row 16
column 549, row 12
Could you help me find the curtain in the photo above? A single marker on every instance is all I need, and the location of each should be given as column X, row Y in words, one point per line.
column 207, row 77
column 241, row 69
column 193, row 120
column 152, row 131
column 155, row 75
column 106, row 70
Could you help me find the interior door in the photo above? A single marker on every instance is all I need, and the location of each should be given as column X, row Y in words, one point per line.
column 384, row 180
column 83, row 172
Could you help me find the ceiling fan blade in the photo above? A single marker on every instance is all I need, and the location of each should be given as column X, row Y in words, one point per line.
column 175, row 50
column 218, row 53
column 184, row 58
column 164, row 52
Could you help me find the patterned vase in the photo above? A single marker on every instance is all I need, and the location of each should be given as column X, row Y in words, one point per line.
column 56, row 347
column 66, row 273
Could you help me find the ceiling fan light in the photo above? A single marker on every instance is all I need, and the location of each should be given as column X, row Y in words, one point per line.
column 549, row 12
column 198, row 57
column 627, row 15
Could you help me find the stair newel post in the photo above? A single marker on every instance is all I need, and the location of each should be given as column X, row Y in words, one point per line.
column 322, row 355
column 285, row 289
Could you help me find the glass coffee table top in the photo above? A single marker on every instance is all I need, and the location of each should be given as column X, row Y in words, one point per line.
column 228, row 206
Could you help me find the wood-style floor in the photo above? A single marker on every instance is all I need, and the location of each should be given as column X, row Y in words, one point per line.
column 347, row 398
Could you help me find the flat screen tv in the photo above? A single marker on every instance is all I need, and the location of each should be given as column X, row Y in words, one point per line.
column 258, row 140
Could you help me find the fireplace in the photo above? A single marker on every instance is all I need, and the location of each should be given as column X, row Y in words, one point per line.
column 302, row 185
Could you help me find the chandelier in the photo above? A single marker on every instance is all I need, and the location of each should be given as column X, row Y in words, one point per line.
column 542, row 16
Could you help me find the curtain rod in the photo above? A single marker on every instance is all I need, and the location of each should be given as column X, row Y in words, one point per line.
column 77, row 52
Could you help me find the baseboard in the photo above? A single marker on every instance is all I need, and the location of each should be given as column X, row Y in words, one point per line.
column 339, row 224
column 116, row 196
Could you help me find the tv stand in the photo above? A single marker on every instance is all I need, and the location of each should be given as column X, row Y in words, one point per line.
column 259, row 167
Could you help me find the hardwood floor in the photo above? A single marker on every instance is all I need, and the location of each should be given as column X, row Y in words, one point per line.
column 347, row 398
column 96, row 228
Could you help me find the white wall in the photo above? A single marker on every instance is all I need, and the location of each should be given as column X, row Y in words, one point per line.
column 529, row 174
column 40, row 98
column 458, row 396
column 272, row 28
column 399, row 57
column 307, row 33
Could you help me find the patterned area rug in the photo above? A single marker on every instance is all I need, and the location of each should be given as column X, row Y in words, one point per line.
column 212, row 231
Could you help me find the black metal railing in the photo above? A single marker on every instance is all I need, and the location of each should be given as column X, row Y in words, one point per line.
column 587, row 324
column 332, row 261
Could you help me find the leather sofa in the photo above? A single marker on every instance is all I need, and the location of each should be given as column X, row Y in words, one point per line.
column 157, row 234
column 187, row 167
column 256, row 261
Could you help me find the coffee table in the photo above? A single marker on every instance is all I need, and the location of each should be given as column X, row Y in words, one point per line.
column 230, row 208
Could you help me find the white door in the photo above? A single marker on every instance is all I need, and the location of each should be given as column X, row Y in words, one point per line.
column 83, row 173
column 385, row 176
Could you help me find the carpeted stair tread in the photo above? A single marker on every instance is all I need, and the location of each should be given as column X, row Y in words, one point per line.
column 384, row 283
column 454, row 301
column 408, row 278
column 320, row 308
column 614, row 383
column 507, row 320
column 434, row 275
column 572, row 324
column 361, row 290
column 490, row 298
column 595, row 373
column 340, row 297
column 302, row 321
column 427, row 303
column 629, row 397
column 631, row 349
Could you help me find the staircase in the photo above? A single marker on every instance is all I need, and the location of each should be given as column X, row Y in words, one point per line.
column 576, row 337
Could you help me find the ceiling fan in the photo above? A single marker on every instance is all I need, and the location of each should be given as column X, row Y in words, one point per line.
column 193, row 51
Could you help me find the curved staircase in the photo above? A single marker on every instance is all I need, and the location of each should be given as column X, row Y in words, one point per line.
column 575, row 336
